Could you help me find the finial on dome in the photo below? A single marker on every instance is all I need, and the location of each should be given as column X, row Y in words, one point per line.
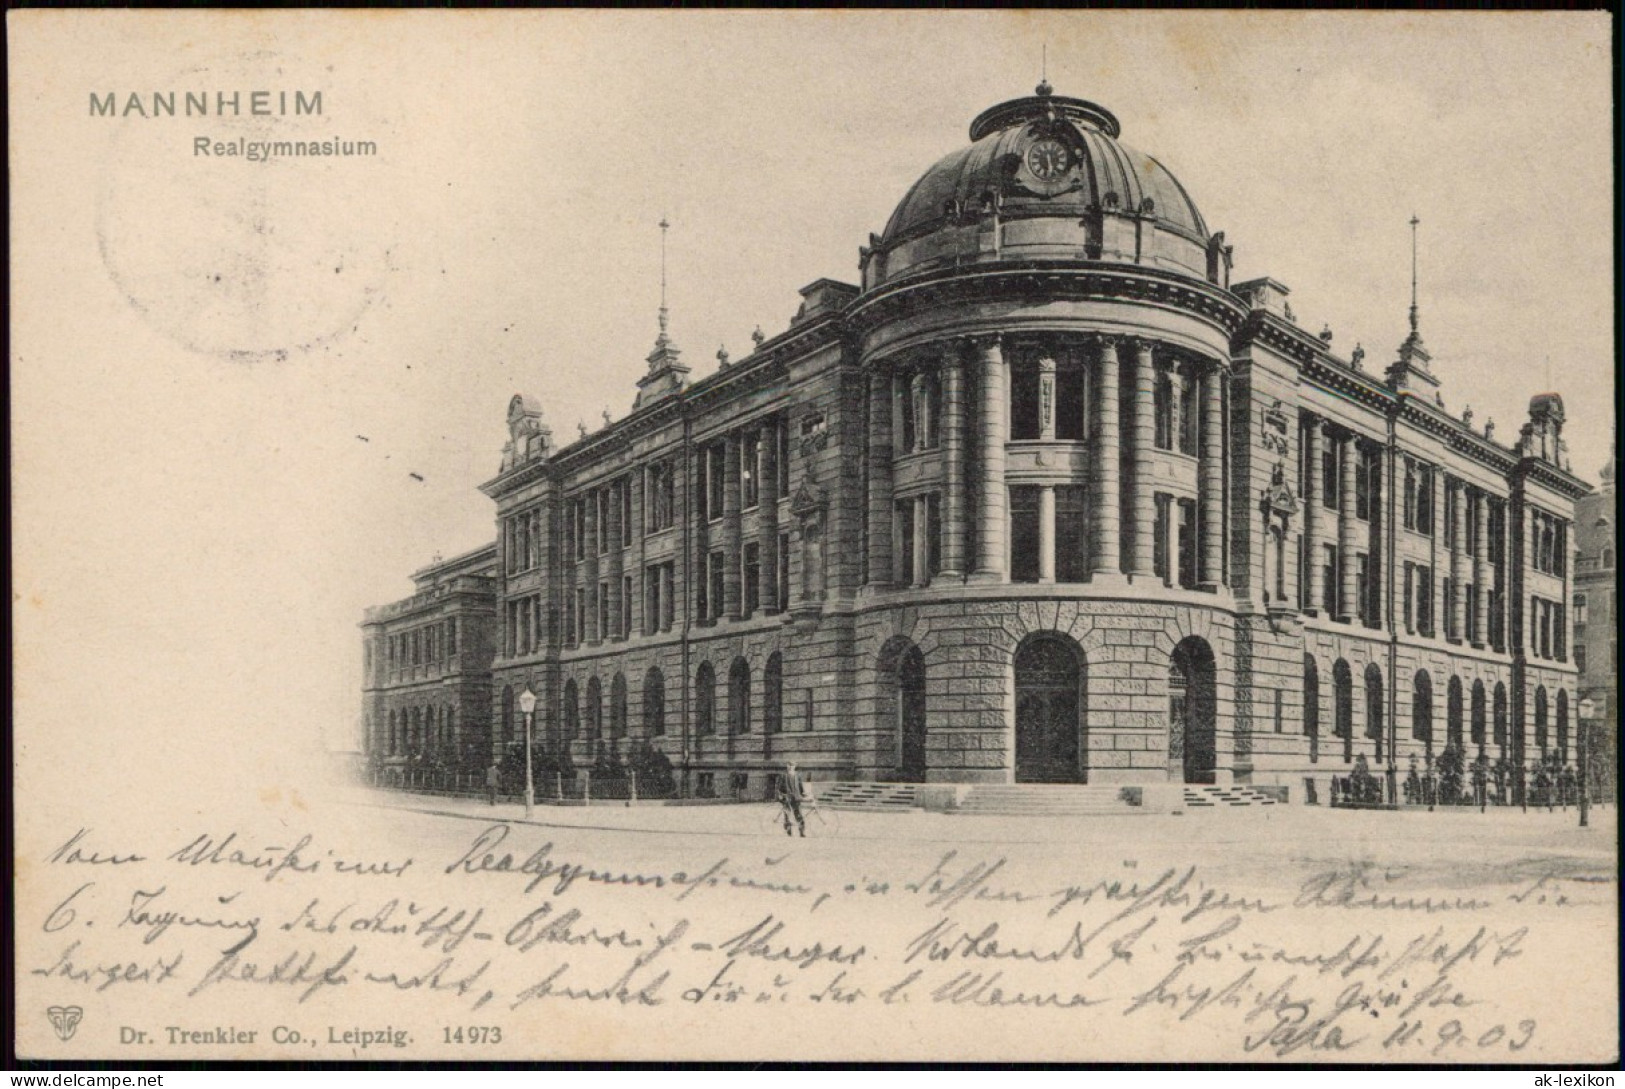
column 1043, row 89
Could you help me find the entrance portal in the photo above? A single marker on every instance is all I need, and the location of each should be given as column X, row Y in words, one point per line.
column 1049, row 710
column 911, row 715
column 1192, row 730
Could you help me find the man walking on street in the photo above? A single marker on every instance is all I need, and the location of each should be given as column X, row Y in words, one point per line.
column 791, row 795
column 491, row 774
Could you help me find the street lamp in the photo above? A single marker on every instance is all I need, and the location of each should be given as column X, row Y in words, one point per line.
column 1587, row 708
column 527, row 704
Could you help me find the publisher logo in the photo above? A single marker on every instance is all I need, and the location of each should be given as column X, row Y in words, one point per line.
column 65, row 1019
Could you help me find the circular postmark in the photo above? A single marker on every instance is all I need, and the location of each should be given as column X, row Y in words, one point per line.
column 245, row 211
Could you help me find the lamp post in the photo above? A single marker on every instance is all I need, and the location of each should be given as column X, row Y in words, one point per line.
column 527, row 704
column 1587, row 708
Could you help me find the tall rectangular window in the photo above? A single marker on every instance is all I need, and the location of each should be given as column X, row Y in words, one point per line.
column 603, row 611
column 1159, row 533
column 933, row 534
column 651, row 599
column 1410, row 494
column 1328, row 579
column 581, row 615
column 781, row 463
column 715, row 479
column 1071, row 403
column 1024, row 534
column 1071, row 535
column 1187, row 543
column 1410, row 597
column 1424, row 602
column 715, row 575
column 1190, row 386
column 1024, row 422
column 1331, row 482
column 750, row 466
column 751, row 575
column 1424, row 500
column 624, row 486
column 784, row 572
column 626, row 606
column 1163, row 410
column 1362, row 581
column 903, row 519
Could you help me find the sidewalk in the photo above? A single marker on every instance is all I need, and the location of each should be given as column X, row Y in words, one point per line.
column 1326, row 829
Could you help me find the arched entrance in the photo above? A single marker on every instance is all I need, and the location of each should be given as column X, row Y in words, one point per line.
column 911, row 715
column 1049, row 710
column 1192, row 728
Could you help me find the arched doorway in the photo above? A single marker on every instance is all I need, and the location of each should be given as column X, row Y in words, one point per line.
column 1422, row 710
column 1343, row 707
column 1311, row 707
column 1192, row 729
column 1374, row 725
column 1049, row 710
column 911, row 716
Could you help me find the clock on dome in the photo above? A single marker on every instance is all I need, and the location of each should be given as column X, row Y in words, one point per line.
column 1048, row 159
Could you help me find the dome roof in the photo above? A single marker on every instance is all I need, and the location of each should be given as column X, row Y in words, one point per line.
column 1095, row 169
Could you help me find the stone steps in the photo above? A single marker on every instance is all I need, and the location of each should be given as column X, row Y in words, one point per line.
column 881, row 796
column 1214, row 797
column 1046, row 799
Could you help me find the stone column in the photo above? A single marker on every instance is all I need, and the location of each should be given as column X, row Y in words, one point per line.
column 1481, row 596
column 917, row 399
column 921, row 542
column 992, row 432
column 1105, row 459
column 1142, row 500
column 1347, row 531
column 1440, row 622
column 640, row 551
column 616, row 539
column 1211, row 558
column 1314, row 515
column 953, row 462
column 767, row 518
column 1046, row 399
column 1458, row 523
column 880, row 480
column 1565, row 616
column 732, row 599
column 1046, row 533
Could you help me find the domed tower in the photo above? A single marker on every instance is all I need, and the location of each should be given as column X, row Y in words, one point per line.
column 1045, row 330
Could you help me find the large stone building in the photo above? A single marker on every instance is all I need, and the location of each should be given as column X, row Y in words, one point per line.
column 1046, row 497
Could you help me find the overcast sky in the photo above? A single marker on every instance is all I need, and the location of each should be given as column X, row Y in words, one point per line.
column 505, row 240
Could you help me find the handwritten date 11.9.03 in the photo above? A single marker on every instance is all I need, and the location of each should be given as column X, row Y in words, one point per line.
column 1452, row 1036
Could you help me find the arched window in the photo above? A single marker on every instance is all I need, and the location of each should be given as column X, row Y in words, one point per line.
column 1453, row 715
column 507, row 716
column 1501, row 717
column 571, row 712
column 1476, row 721
column 705, row 700
column 1540, row 719
column 617, row 707
column 394, row 734
column 1343, row 707
column 1374, row 707
column 1422, row 709
column 1311, row 706
column 449, row 731
column 773, row 694
column 594, row 710
column 739, row 697
column 654, row 703
column 1563, row 725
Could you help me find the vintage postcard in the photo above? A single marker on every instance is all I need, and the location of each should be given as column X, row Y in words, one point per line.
column 814, row 536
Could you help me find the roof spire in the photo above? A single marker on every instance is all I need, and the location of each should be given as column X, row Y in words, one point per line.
column 664, row 226
column 1415, row 314
column 1044, row 89
column 666, row 370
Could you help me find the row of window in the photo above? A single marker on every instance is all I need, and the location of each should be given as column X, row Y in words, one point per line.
column 430, row 644
column 418, row 731
column 582, row 712
column 763, row 450
column 711, row 598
